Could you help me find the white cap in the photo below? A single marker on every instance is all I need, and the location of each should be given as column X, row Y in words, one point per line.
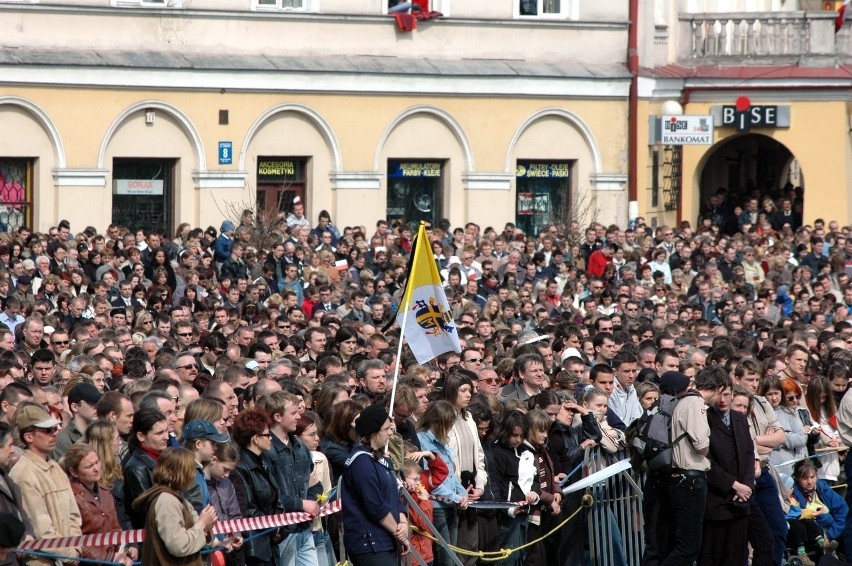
column 571, row 353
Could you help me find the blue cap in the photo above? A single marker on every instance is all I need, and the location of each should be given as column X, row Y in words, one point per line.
column 200, row 429
column 227, row 226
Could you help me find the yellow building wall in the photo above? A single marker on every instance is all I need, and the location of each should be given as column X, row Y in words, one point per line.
column 187, row 127
column 818, row 137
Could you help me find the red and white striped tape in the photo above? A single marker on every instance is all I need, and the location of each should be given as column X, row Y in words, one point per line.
column 222, row 527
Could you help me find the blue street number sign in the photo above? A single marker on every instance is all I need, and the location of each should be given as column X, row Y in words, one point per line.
column 226, row 151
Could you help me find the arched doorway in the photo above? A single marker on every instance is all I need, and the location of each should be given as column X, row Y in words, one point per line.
column 745, row 167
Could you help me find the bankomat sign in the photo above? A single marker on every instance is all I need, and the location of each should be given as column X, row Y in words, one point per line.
column 686, row 130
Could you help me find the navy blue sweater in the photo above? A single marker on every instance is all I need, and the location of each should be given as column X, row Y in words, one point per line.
column 370, row 491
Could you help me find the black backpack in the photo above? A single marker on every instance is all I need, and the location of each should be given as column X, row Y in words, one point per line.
column 652, row 443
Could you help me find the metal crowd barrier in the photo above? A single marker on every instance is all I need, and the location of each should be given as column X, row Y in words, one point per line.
column 615, row 521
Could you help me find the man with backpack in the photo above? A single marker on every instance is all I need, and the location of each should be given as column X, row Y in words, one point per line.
column 652, row 451
column 690, row 433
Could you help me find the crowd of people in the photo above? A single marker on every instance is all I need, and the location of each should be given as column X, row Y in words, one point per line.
column 169, row 381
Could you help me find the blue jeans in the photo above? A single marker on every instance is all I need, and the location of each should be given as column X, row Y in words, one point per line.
column 512, row 532
column 298, row 549
column 446, row 522
column 766, row 497
column 688, row 496
column 325, row 551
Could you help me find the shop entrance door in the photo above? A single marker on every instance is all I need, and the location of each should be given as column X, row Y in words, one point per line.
column 142, row 194
column 415, row 190
column 280, row 180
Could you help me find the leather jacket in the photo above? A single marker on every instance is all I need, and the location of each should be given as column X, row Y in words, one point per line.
column 138, row 478
column 258, row 496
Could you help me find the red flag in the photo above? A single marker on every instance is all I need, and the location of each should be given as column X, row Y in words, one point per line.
column 841, row 16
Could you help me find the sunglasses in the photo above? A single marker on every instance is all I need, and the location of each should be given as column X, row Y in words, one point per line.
column 184, row 334
column 61, row 342
column 490, row 380
column 188, row 366
column 50, row 431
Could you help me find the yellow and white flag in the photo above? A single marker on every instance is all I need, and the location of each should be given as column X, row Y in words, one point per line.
column 429, row 327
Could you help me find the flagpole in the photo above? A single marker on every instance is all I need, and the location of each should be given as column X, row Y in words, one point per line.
column 406, row 297
column 399, row 354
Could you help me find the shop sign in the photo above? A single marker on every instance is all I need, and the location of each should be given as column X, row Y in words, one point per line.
column 560, row 170
column 687, row 130
column 137, row 187
column 279, row 169
column 414, row 169
column 743, row 116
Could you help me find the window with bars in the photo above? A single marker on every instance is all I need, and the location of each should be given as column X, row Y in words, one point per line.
column 16, row 195
column 666, row 178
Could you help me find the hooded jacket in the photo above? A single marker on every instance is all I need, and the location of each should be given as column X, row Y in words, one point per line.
column 173, row 534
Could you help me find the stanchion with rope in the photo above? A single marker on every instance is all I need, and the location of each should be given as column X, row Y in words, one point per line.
column 503, row 553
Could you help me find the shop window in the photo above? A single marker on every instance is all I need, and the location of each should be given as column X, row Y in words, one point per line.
column 16, row 194
column 147, row 3
column 280, row 180
column 415, row 190
column 543, row 194
column 143, row 194
column 545, row 9
column 286, row 5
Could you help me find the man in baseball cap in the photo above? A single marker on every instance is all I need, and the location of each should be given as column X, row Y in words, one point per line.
column 45, row 489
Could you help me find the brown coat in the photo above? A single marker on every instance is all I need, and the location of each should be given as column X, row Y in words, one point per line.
column 172, row 533
column 98, row 516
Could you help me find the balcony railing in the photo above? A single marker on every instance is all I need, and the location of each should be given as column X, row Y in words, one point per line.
column 771, row 36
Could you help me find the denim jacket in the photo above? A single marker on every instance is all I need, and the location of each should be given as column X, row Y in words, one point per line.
column 451, row 488
column 290, row 466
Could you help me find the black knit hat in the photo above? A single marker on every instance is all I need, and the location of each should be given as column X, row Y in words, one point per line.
column 371, row 420
column 673, row 382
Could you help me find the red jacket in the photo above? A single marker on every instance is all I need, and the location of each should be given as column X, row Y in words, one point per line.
column 597, row 264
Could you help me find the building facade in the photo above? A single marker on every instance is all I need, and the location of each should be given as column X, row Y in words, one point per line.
column 774, row 79
column 152, row 113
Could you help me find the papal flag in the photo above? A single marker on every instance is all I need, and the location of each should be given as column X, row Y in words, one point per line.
column 429, row 326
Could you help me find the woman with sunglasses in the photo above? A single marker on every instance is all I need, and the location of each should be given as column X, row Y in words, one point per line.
column 784, row 395
column 254, row 486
